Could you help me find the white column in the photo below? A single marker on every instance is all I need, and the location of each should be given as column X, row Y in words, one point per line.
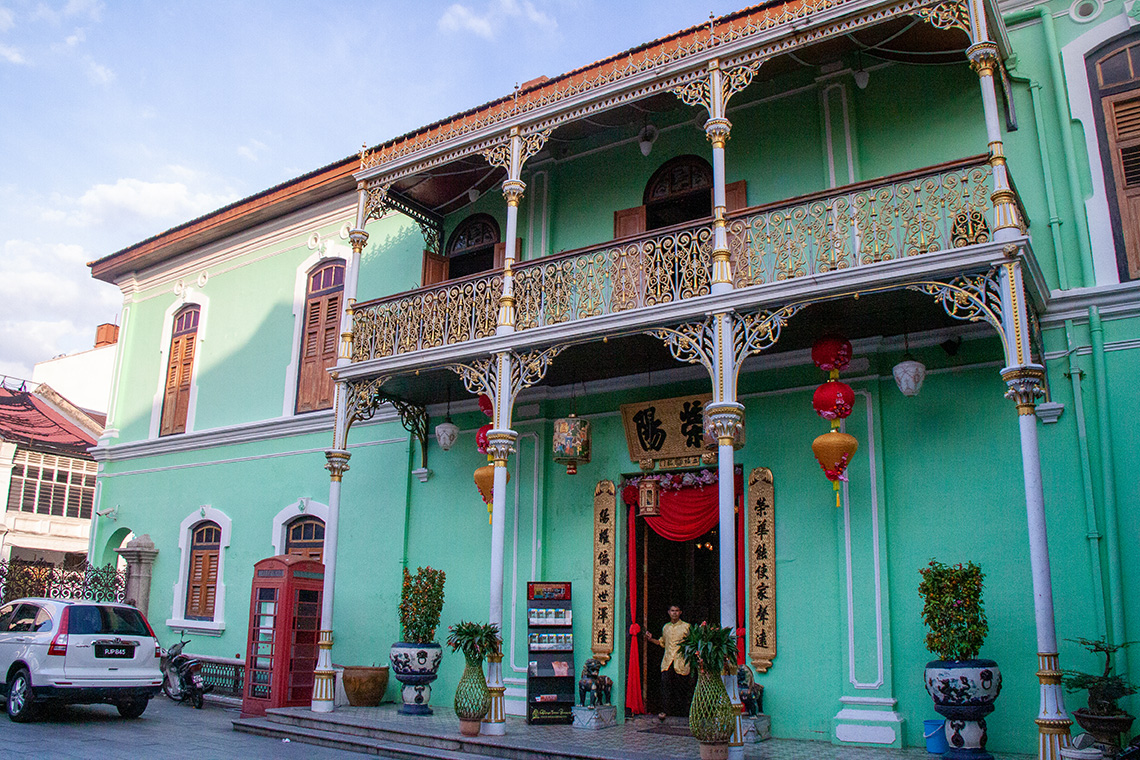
column 717, row 130
column 513, row 188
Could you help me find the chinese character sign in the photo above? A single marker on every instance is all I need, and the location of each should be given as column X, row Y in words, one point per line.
column 669, row 428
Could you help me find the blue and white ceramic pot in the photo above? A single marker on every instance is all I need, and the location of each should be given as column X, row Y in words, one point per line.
column 964, row 692
column 415, row 666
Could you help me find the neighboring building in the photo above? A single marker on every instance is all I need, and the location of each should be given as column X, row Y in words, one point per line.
column 85, row 376
column 865, row 190
column 47, row 476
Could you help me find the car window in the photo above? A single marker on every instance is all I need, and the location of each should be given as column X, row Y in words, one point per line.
column 5, row 615
column 23, row 619
column 96, row 619
column 43, row 620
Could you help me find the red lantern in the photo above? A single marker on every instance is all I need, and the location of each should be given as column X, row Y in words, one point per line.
column 831, row 353
column 481, row 438
column 833, row 450
column 833, row 401
column 485, row 405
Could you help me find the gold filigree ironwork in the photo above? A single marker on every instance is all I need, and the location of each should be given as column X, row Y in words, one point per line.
column 970, row 298
column 736, row 78
column 753, row 333
column 380, row 199
column 499, row 155
column 527, row 369
column 605, row 571
column 532, row 144
column 365, row 397
column 761, row 569
column 696, row 92
column 949, row 14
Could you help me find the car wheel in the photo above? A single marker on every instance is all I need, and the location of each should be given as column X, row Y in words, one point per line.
column 20, row 697
column 132, row 709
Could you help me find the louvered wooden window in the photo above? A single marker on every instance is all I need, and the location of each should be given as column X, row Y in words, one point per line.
column 202, row 583
column 306, row 538
column 1122, row 121
column 323, row 304
column 179, row 368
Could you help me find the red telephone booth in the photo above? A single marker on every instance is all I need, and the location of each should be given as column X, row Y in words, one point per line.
column 284, row 625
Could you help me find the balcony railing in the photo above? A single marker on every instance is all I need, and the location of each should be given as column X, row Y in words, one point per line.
column 946, row 206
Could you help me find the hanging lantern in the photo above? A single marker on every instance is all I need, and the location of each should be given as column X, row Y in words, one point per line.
column 831, row 353
column 833, row 401
column 571, row 442
column 909, row 374
column 834, row 450
column 485, row 482
column 446, row 434
column 648, row 498
column 481, row 438
column 485, row 405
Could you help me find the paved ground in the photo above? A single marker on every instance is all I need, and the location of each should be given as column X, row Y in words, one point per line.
column 166, row 730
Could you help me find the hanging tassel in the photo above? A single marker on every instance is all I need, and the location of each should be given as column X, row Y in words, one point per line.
column 836, row 484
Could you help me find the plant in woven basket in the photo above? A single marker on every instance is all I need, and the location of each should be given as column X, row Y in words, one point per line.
column 421, row 602
column 952, row 609
column 476, row 641
column 712, row 651
column 1104, row 688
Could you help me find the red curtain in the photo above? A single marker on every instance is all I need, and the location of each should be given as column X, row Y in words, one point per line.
column 633, row 700
column 686, row 514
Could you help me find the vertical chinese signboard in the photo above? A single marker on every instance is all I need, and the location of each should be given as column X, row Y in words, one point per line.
column 605, row 567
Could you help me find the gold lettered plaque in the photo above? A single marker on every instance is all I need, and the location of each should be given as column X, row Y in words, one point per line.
column 605, row 571
column 667, row 432
column 761, row 569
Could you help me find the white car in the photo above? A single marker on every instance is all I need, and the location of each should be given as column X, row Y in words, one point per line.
column 76, row 652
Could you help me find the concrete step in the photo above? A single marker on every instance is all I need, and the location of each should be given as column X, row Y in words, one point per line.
column 350, row 742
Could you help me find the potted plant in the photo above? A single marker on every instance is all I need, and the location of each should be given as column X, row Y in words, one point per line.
column 1103, row 718
column 415, row 658
column 963, row 687
column 712, row 652
column 472, row 699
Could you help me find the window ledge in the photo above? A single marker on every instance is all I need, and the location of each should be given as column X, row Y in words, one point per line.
column 200, row 627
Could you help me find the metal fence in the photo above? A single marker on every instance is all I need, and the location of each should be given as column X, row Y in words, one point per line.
column 225, row 675
column 19, row 578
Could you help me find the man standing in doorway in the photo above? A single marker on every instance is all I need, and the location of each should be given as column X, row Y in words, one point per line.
column 674, row 669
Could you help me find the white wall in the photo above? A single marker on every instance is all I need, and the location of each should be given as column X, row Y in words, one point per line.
column 84, row 378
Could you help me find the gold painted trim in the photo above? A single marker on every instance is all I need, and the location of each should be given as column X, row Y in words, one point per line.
column 605, row 570
column 761, row 568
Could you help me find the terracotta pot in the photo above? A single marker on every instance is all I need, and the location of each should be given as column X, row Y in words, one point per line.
column 714, row 750
column 365, row 686
column 470, row 727
column 1106, row 729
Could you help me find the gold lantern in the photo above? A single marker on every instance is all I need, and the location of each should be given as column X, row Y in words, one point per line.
column 571, row 442
column 648, row 498
column 485, row 482
column 833, row 450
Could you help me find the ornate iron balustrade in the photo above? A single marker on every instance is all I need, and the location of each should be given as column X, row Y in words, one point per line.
column 20, row 579
column 226, row 675
column 909, row 215
column 938, row 208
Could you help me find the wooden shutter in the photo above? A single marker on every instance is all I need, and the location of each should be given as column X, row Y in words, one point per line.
column 736, row 196
column 1122, row 116
column 628, row 222
column 202, row 584
column 179, row 369
column 434, row 269
column 315, row 387
column 501, row 253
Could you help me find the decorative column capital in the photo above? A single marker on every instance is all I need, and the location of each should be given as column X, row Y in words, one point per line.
column 501, row 444
column 513, row 191
column 337, row 464
column 358, row 238
column 983, row 58
column 1026, row 385
column 723, row 420
column 718, row 130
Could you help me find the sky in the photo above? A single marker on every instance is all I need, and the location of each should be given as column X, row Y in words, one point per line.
column 124, row 118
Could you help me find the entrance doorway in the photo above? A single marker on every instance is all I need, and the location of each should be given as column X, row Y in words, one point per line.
column 685, row 573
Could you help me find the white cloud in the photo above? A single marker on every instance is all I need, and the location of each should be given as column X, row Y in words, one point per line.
column 75, row 38
column 99, row 74
column 526, row 9
column 11, row 54
column 7, row 20
column 140, row 200
column 91, row 9
column 252, row 149
column 460, row 18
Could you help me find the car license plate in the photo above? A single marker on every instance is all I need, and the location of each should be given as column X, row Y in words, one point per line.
column 120, row 651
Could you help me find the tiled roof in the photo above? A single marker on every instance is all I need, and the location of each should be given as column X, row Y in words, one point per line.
column 30, row 422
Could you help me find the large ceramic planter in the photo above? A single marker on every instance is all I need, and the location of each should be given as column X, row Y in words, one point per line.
column 964, row 692
column 365, row 686
column 472, row 699
column 415, row 666
column 1106, row 729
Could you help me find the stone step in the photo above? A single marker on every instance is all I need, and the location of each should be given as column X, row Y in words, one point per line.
column 350, row 742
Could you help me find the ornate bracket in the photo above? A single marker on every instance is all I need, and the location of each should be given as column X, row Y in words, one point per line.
column 499, row 155
column 527, row 369
column 365, row 397
column 698, row 91
column 949, row 14
column 969, row 298
column 380, row 199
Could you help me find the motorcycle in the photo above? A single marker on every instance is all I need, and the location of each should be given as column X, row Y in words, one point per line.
column 182, row 678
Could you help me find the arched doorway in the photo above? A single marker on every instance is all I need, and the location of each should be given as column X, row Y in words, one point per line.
column 679, row 191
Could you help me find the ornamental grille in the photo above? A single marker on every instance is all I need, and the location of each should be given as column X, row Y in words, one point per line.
column 46, row 484
column 19, row 579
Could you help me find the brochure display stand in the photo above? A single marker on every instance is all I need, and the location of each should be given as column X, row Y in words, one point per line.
column 551, row 679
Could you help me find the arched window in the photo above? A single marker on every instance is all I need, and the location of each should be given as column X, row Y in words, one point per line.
column 1114, row 73
column 680, row 191
column 471, row 248
column 323, row 300
column 179, row 368
column 202, row 579
column 305, row 537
